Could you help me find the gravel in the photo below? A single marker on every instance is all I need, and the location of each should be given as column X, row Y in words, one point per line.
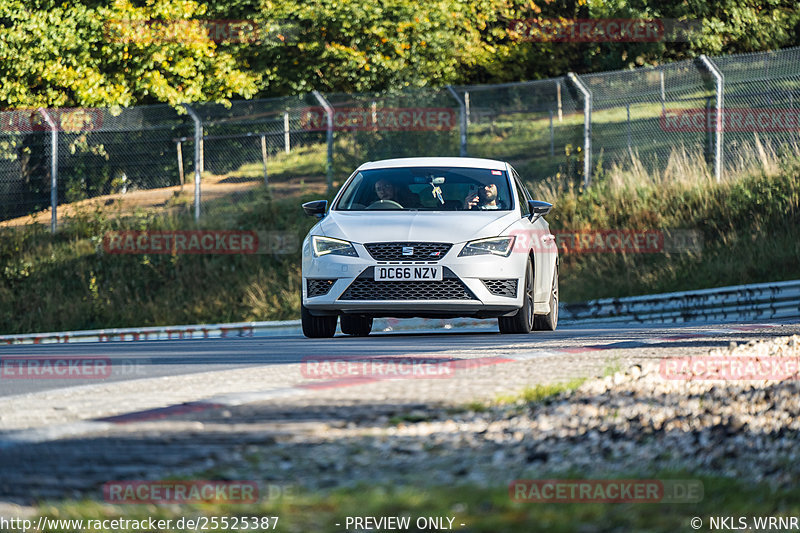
column 632, row 422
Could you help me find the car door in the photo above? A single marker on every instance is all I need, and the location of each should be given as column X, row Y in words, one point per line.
column 538, row 238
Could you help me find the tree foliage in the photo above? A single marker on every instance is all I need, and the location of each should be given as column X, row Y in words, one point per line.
column 94, row 53
column 90, row 54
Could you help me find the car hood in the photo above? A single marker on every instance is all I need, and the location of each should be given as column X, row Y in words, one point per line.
column 414, row 226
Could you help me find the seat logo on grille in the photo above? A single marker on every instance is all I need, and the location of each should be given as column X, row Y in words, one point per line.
column 408, row 250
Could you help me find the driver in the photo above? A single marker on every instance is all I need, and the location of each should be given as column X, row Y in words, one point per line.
column 388, row 191
column 485, row 198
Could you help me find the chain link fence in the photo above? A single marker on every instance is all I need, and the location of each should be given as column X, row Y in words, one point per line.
column 537, row 126
column 728, row 112
column 762, row 106
column 632, row 110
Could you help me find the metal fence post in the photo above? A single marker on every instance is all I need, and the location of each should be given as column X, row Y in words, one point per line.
column 286, row 136
column 462, row 112
column 720, row 109
column 558, row 97
column 791, row 107
column 329, row 114
column 180, row 161
column 587, row 127
column 466, row 104
column 198, row 138
column 53, row 168
column 709, row 130
column 264, row 159
column 628, row 118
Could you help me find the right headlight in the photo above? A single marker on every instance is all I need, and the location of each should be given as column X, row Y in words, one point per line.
column 327, row 245
column 501, row 246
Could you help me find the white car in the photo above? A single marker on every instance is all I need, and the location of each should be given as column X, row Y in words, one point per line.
column 433, row 237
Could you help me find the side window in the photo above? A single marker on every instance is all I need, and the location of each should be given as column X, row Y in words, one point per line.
column 521, row 194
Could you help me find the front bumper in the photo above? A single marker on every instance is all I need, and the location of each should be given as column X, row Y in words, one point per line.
column 350, row 284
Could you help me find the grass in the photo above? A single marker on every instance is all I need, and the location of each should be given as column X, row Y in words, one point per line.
column 749, row 224
column 479, row 509
column 66, row 281
column 539, row 393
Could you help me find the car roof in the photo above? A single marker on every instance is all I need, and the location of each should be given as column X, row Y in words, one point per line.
column 461, row 162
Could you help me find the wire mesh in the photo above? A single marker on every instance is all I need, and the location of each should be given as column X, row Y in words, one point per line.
column 143, row 157
column 124, row 157
column 762, row 107
column 250, row 147
column 637, row 114
column 412, row 123
column 537, row 126
column 24, row 166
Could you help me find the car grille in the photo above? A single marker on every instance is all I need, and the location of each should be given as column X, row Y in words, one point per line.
column 319, row 287
column 502, row 287
column 366, row 288
column 393, row 251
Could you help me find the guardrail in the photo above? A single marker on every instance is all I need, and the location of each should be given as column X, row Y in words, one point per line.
column 195, row 331
column 760, row 301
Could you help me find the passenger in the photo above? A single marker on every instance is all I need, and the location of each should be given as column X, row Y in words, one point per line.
column 485, row 198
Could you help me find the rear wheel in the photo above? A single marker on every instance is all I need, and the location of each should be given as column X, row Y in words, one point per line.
column 315, row 327
column 357, row 325
column 522, row 320
column 549, row 321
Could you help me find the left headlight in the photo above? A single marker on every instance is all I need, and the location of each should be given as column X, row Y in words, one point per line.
column 326, row 245
column 501, row 246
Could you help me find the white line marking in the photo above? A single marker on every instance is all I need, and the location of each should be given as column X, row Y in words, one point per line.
column 35, row 435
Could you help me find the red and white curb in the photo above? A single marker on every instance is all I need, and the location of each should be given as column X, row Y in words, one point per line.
column 74, row 429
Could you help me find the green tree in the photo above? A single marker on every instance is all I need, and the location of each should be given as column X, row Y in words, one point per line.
column 90, row 54
column 373, row 46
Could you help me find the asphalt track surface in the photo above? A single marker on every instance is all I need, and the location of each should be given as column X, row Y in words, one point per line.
column 174, row 405
column 150, row 359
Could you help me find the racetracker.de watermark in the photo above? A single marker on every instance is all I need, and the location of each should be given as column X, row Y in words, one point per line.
column 230, row 242
column 564, row 30
column 31, row 367
column 381, row 119
column 343, row 367
column 606, row 490
column 730, row 368
column 609, row 241
column 55, row 367
column 70, row 120
column 736, row 120
column 185, row 31
column 180, row 492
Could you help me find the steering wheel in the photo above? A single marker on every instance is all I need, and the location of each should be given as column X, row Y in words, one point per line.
column 385, row 204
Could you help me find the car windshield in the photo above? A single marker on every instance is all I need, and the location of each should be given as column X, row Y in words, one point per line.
column 427, row 189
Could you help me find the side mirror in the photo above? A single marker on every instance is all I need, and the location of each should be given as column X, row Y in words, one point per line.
column 539, row 208
column 316, row 208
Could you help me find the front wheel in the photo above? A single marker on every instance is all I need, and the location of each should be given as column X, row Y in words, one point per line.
column 359, row 326
column 522, row 320
column 316, row 327
column 549, row 321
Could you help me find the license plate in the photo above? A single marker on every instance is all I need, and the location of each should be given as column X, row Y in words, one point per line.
column 408, row 273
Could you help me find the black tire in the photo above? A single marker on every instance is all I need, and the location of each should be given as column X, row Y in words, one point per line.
column 357, row 325
column 549, row 321
column 522, row 320
column 316, row 327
